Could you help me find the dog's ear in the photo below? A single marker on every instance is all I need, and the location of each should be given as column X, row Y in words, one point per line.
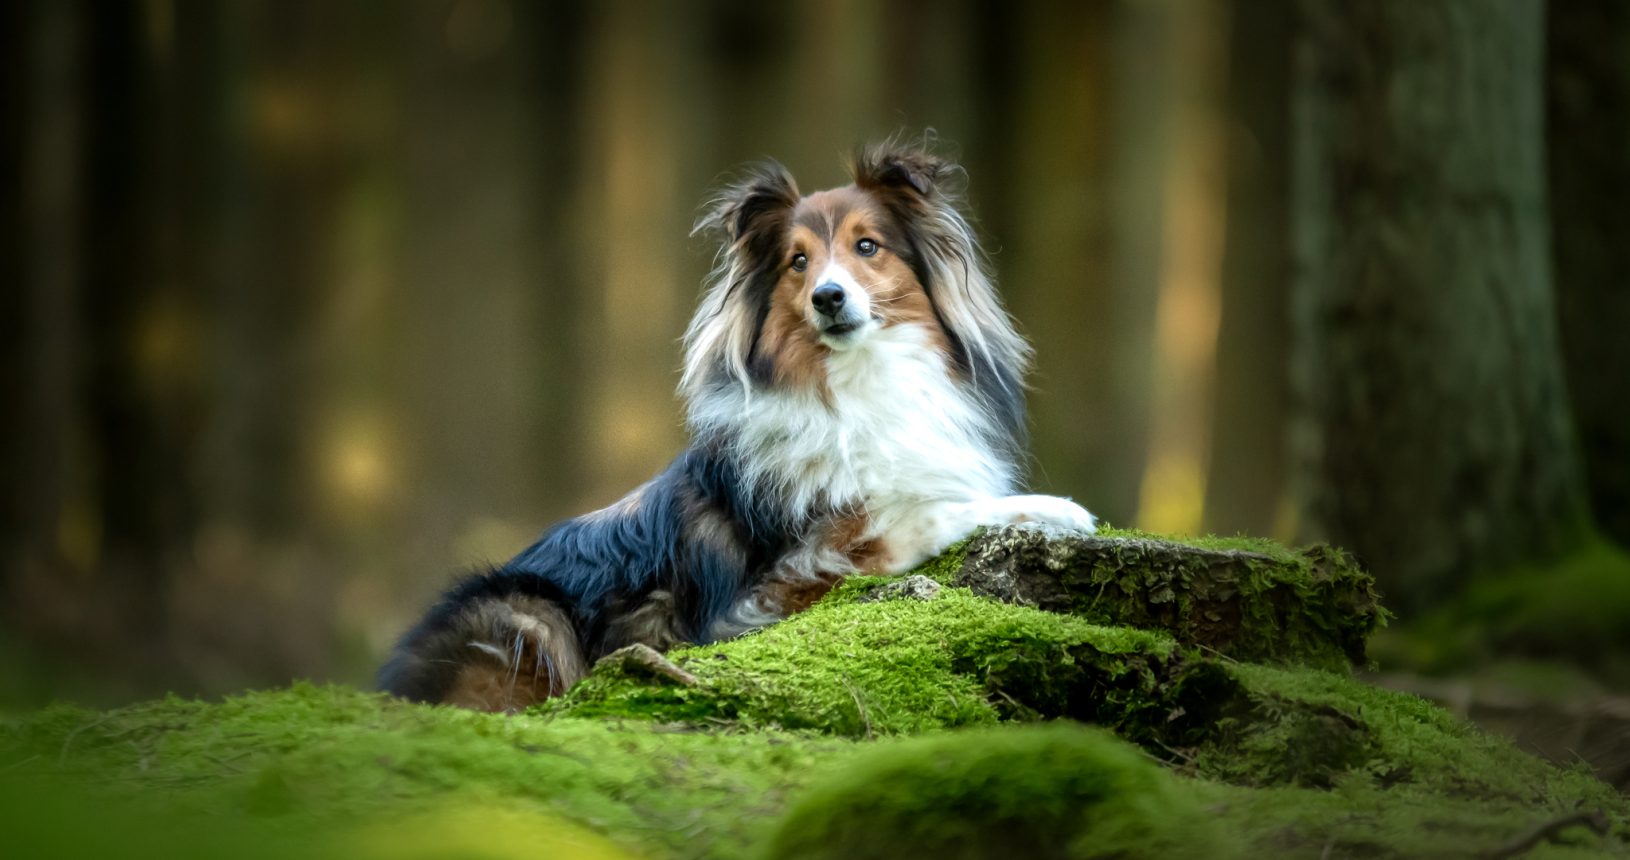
column 745, row 208
column 749, row 217
column 891, row 166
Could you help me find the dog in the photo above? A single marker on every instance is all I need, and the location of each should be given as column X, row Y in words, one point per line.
column 854, row 396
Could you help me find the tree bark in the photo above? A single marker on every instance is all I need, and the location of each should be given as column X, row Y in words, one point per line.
column 1434, row 433
column 36, row 210
column 136, row 427
column 1588, row 139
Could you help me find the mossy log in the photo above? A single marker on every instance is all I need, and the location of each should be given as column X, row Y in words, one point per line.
column 1243, row 598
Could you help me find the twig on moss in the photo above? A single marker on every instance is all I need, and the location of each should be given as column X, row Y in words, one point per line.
column 1596, row 820
column 1218, row 654
column 62, row 757
column 860, row 706
column 641, row 659
column 17, row 764
column 1187, row 759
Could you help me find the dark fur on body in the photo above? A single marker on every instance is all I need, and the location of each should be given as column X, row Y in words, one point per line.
column 657, row 571
column 711, row 546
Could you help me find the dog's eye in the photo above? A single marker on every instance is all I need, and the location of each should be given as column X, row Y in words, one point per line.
column 799, row 262
column 866, row 247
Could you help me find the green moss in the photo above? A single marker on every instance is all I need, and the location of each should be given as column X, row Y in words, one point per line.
column 1216, row 543
column 324, row 771
column 1314, row 762
column 326, row 760
column 903, row 667
column 1408, row 739
column 1041, row 791
column 50, row 819
column 1355, row 820
column 946, row 566
column 843, row 730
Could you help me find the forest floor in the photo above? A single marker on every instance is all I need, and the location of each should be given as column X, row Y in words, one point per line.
column 1028, row 694
column 1540, row 655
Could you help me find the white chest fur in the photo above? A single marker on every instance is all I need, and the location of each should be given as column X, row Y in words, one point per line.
column 896, row 439
column 895, row 429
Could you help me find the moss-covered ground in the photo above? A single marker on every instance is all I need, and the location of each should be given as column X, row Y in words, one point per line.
column 948, row 727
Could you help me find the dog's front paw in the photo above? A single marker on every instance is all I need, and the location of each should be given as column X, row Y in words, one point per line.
column 1045, row 510
column 1054, row 511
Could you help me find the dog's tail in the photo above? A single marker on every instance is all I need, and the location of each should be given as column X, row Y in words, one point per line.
column 499, row 641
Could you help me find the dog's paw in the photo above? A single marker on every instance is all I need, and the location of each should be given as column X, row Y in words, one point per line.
column 1046, row 510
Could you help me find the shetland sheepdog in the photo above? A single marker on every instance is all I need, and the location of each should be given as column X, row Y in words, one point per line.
column 854, row 395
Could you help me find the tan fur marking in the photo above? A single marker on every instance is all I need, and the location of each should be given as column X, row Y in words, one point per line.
column 786, row 597
column 847, row 534
column 849, row 537
column 486, row 687
column 527, row 652
column 896, row 294
column 789, row 338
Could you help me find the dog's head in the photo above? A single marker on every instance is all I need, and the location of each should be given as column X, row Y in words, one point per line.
column 801, row 277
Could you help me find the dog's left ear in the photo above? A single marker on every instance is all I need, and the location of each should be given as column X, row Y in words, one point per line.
column 892, row 167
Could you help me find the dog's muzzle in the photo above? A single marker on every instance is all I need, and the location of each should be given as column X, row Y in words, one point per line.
column 837, row 316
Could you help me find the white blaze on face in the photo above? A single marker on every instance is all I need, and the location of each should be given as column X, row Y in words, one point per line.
column 857, row 305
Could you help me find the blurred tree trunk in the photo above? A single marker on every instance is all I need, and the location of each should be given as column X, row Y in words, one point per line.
column 1438, row 439
column 16, row 40
column 1245, row 487
column 279, row 178
column 637, row 155
column 925, row 49
column 554, row 56
column 1056, row 247
column 1070, row 120
column 139, row 327
column 1588, row 135
column 50, row 539
column 486, row 297
column 21, row 521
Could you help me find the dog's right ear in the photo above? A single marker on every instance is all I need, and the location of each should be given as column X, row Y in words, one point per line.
column 748, row 207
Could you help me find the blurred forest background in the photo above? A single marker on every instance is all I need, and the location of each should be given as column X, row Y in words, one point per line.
column 309, row 305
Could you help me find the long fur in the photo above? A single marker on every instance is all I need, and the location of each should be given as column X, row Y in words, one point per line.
column 822, row 443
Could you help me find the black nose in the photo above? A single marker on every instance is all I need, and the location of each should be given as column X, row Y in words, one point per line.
column 828, row 299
